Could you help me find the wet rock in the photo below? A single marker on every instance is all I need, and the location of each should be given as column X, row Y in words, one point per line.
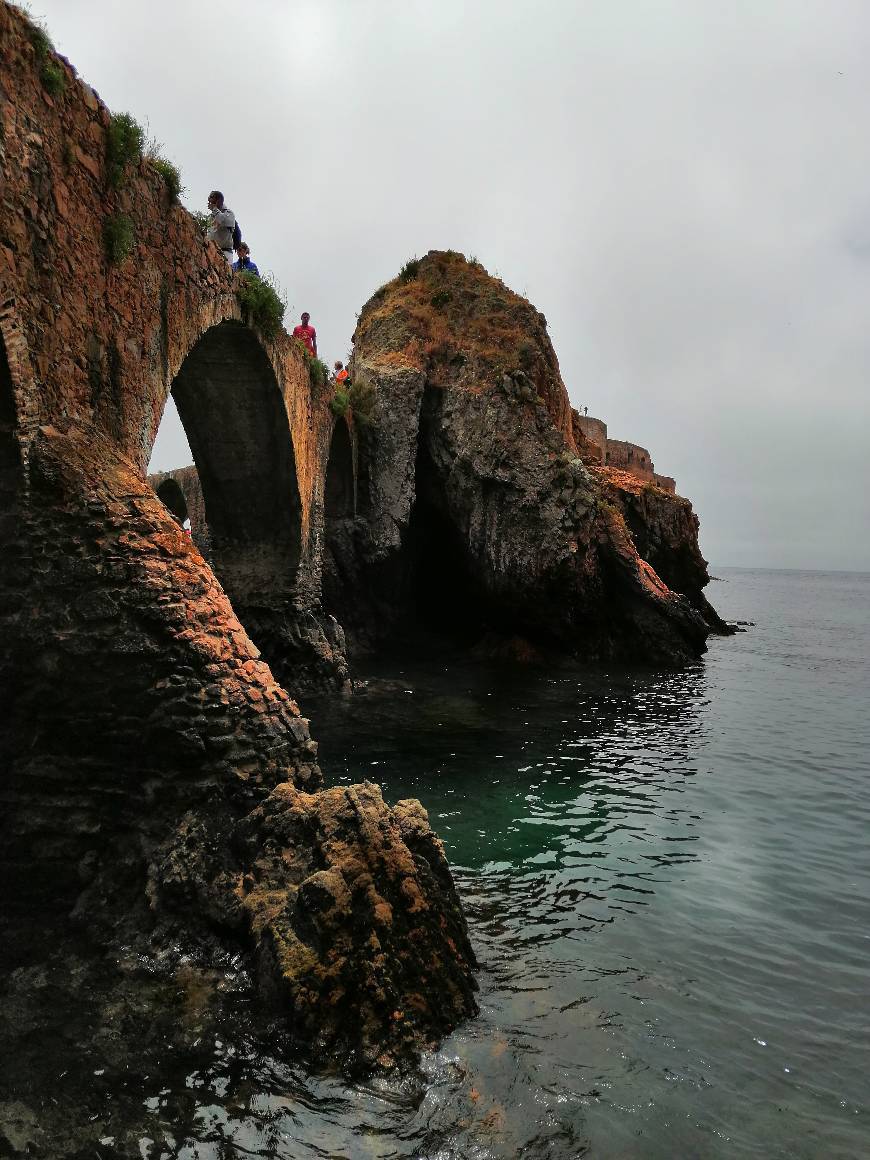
column 360, row 941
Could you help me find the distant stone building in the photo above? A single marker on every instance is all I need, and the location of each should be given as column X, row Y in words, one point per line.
column 594, row 431
column 630, row 457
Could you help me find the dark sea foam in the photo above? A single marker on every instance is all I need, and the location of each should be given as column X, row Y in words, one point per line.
column 666, row 876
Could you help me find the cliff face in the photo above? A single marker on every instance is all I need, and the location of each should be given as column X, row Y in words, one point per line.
column 478, row 514
column 157, row 782
column 664, row 529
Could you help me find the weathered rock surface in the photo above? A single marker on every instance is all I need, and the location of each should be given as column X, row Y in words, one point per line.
column 476, row 509
column 158, row 783
column 664, row 529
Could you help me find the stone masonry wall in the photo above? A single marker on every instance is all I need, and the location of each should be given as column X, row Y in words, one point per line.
column 187, row 479
column 595, row 431
column 629, row 457
column 618, row 454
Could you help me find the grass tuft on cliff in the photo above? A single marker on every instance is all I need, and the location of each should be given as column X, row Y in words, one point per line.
column 53, row 77
column 118, row 237
column 318, row 371
column 51, row 72
column 262, row 304
column 125, row 140
column 339, row 404
column 410, row 270
column 361, row 397
column 170, row 175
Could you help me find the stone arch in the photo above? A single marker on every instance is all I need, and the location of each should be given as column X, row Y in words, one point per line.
column 172, row 497
column 338, row 488
column 232, row 409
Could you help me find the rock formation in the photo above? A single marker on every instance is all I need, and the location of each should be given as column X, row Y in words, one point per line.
column 158, row 782
column 665, row 532
column 476, row 511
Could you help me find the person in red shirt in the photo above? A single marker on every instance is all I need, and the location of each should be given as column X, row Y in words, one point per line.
column 307, row 334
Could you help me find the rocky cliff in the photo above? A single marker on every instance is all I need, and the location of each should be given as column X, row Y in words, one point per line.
column 477, row 514
column 158, row 783
column 664, row 529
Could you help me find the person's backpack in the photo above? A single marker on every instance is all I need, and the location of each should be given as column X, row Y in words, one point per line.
column 237, row 236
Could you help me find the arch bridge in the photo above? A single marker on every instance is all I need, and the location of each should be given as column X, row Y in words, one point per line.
column 118, row 638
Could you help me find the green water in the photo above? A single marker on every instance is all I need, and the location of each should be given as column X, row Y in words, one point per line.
column 666, row 880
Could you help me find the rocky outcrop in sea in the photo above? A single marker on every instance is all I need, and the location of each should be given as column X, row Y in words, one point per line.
column 477, row 513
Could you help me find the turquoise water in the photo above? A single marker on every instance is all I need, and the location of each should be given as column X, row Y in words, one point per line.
column 666, row 878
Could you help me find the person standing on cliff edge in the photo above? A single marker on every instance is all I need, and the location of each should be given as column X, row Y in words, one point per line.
column 220, row 229
column 307, row 334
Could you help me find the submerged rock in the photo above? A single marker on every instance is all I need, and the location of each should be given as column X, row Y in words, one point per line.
column 476, row 510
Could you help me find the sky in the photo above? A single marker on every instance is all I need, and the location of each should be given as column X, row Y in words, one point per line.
column 682, row 187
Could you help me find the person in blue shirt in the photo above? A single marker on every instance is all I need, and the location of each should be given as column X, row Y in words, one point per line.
column 243, row 264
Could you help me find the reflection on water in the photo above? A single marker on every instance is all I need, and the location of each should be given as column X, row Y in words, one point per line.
column 665, row 877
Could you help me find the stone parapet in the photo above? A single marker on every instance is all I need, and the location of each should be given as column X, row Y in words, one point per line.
column 594, row 430
column 629, row 457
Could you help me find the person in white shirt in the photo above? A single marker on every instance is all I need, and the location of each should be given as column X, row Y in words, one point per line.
column 220, row 230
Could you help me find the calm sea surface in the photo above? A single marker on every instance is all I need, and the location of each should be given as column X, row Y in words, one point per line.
column 666, row 877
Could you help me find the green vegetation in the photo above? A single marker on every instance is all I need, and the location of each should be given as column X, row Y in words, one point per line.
column 202, row 219
column 51, row 72
column 153, row 152
column 318, row 372
column 410, row 270
column 118, row 237
column 124, row 141
column 440, row 298
column 39, row 38
column 262, row 303
column 339, row 404
column 53, row 77
column 170, row 175
column 362, row 400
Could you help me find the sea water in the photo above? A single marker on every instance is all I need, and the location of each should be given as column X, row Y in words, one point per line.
column 666, row 879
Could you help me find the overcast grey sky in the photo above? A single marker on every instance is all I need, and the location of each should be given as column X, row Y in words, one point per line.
column 681, row 186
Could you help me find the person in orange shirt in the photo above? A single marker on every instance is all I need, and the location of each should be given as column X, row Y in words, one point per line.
column 339, row 374
column 307, row 334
